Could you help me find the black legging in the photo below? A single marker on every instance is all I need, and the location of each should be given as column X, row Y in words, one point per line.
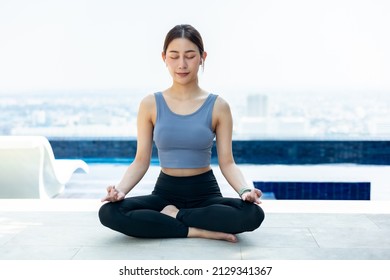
column 200, row 205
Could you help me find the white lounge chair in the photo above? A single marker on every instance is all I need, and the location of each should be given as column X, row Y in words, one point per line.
column 28, row 168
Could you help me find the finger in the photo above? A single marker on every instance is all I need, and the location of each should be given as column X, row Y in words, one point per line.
column 110, row 194
column 121, row 196
column 254, row 197
column 258, row 192
column 249, row 197
column 113, row 191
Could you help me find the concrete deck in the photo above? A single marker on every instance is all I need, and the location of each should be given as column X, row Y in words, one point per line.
column 67, row 227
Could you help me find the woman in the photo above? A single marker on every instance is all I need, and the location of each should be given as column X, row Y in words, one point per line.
column 183, row 121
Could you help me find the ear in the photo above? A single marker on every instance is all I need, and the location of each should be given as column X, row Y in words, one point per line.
column 164, row 56
column 204, row 56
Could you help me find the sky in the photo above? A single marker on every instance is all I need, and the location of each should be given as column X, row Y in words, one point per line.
column 252, row 45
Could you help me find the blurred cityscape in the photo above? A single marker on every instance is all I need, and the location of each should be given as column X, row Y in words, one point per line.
column 257, row 115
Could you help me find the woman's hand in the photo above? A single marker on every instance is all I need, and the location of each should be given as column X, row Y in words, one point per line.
column 252, row 196
column 113, row 194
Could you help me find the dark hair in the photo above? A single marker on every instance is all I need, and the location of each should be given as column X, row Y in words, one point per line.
column 184, row 31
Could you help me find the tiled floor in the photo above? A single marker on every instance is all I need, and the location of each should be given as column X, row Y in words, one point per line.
column 67, row 228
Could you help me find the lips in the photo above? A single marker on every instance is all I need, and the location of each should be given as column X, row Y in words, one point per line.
column 182, row 74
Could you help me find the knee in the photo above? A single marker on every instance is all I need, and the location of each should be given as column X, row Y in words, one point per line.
column 260, row 215
column 255, row 217
column 105, row 213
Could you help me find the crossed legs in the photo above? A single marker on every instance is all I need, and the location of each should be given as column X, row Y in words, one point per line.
column 172, row 211
column 154, row 217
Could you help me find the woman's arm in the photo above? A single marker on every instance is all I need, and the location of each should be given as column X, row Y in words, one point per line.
column 229, row 169
column 140, row 165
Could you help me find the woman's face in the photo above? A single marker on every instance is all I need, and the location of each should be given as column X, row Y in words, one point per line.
column 183, row 60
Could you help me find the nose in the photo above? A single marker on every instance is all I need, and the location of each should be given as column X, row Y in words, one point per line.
column 182, row 63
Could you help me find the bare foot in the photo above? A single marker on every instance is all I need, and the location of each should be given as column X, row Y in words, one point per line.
column 202, row 233
column 170, row 210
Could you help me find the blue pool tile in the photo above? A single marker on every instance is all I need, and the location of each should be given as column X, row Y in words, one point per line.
column 316, row 190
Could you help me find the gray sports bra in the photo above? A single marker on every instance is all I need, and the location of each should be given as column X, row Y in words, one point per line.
column 184, row 141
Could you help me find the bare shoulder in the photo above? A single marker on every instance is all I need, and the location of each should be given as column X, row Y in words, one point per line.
column 221, row 106
column 147, row 108
column 148, row 101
